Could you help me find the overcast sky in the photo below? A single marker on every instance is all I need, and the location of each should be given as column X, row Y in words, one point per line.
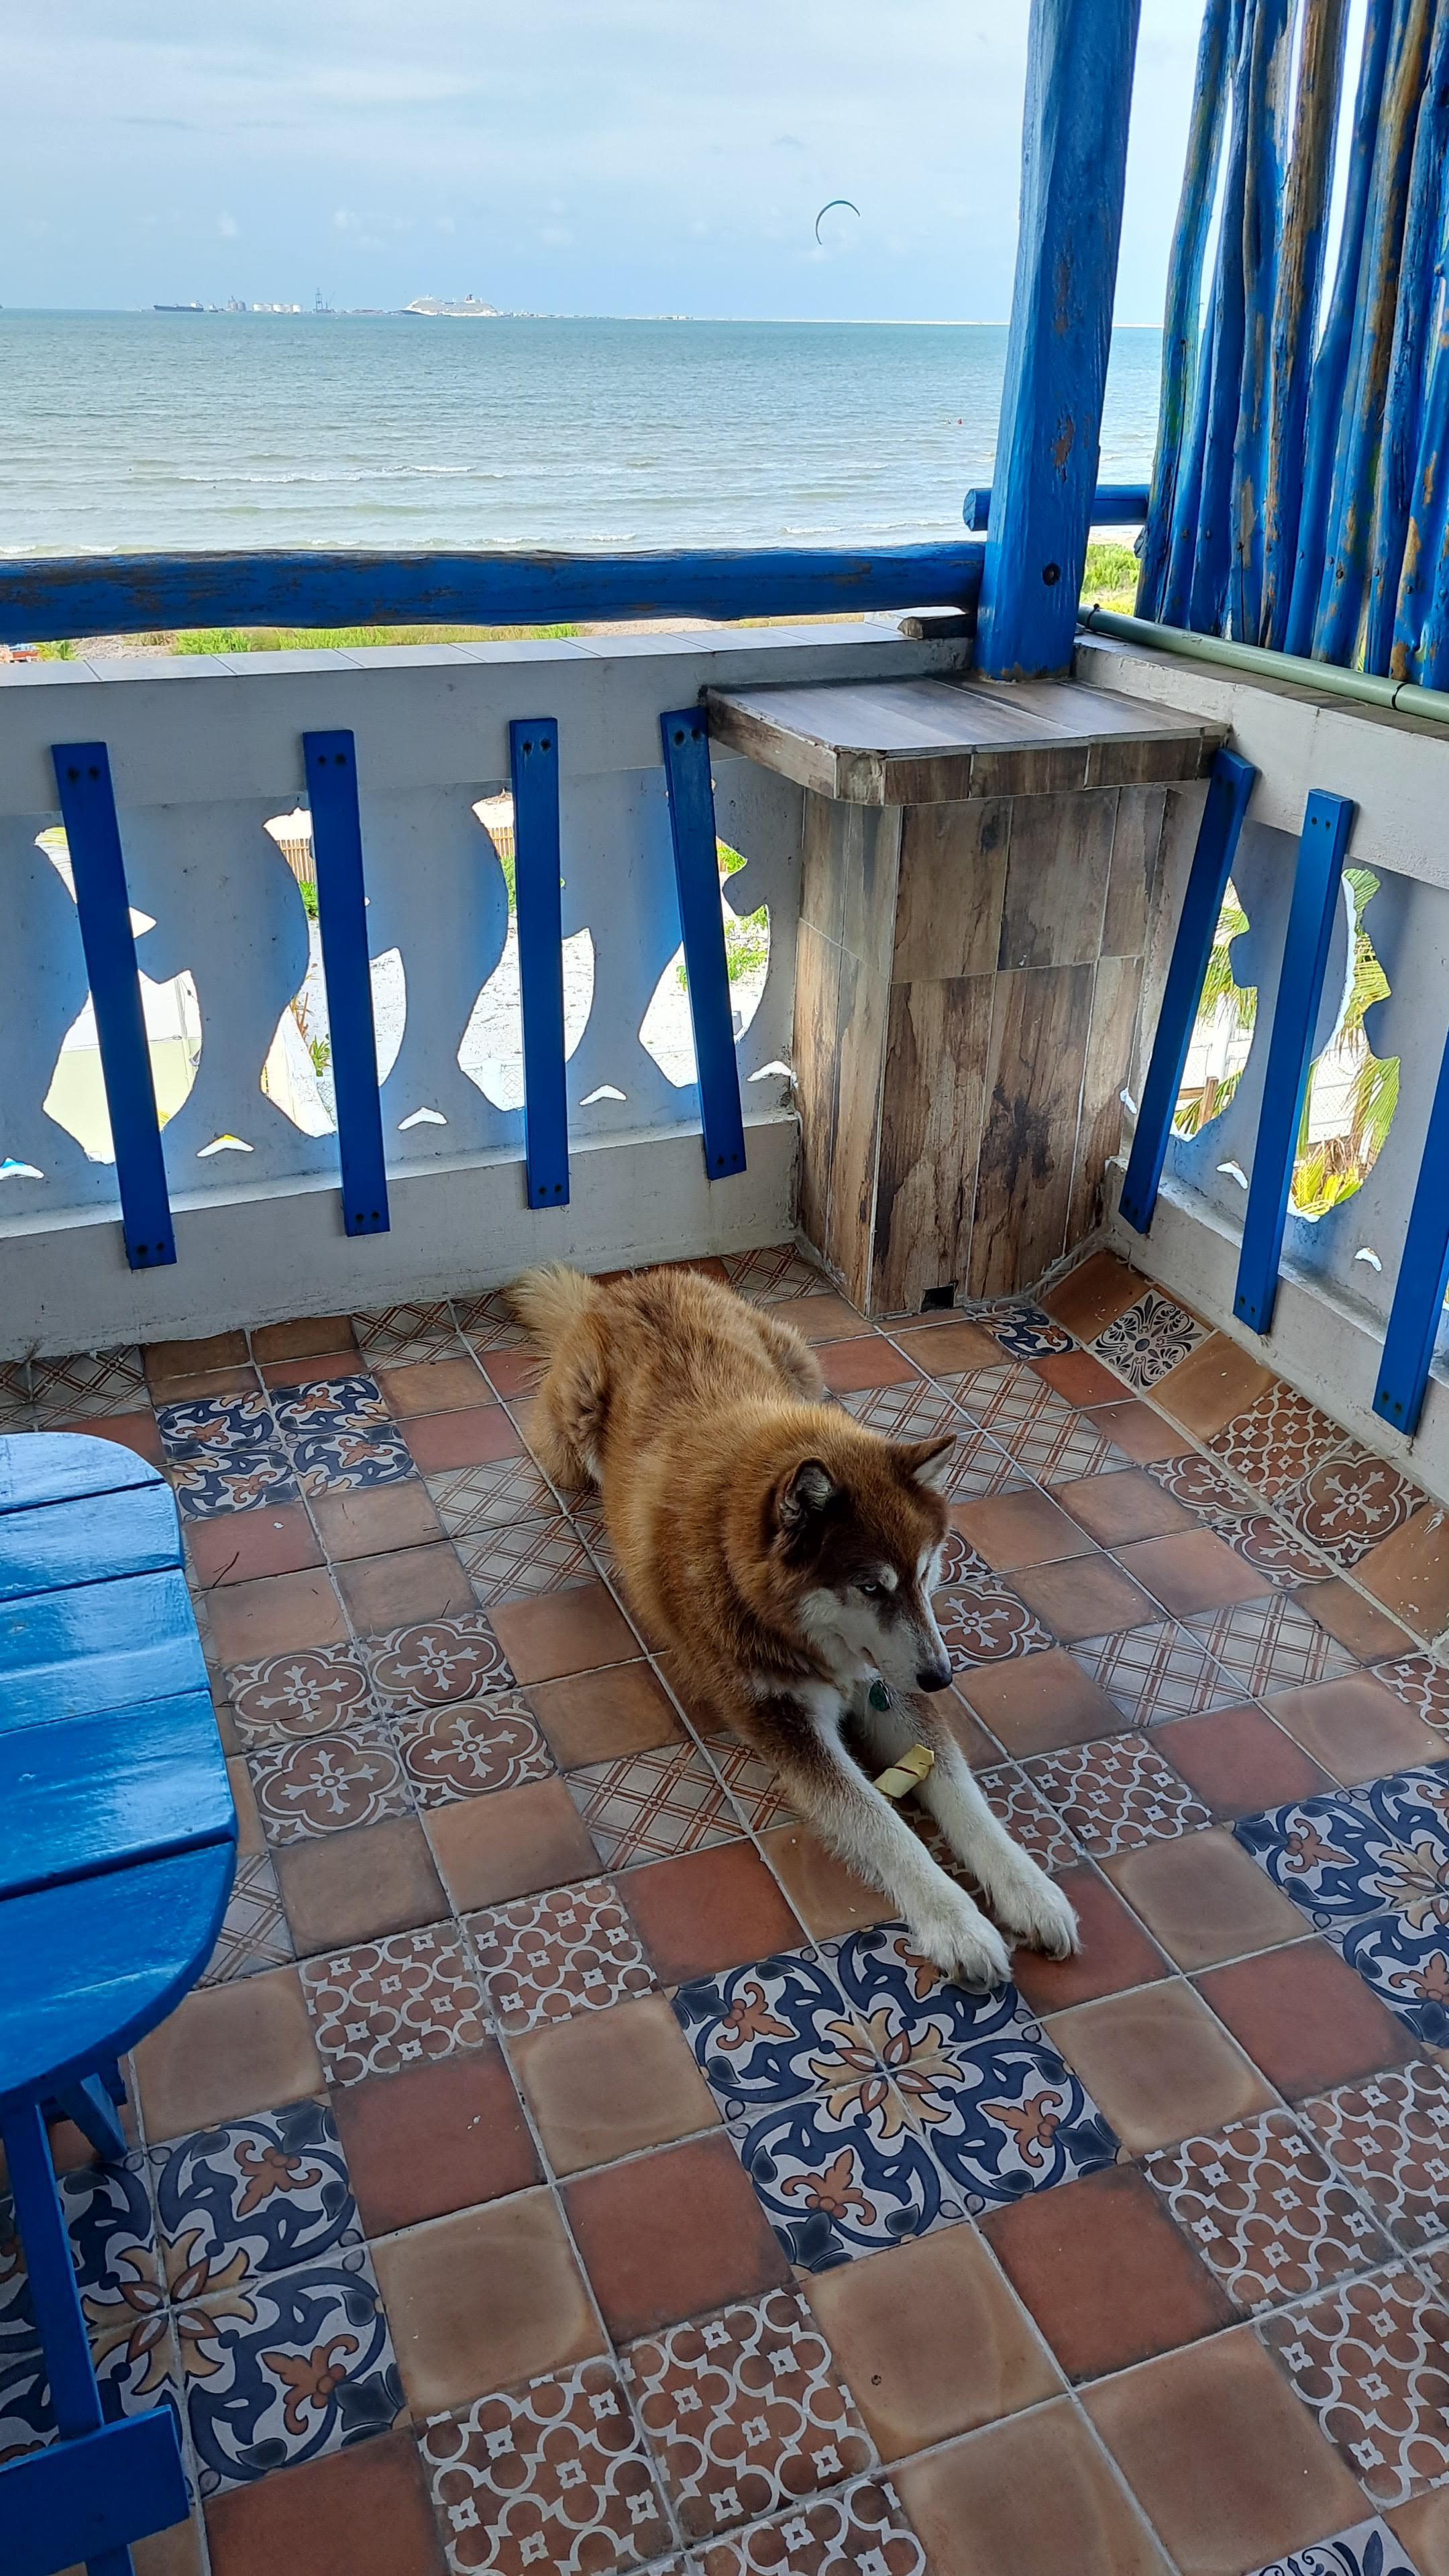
column 564, row 156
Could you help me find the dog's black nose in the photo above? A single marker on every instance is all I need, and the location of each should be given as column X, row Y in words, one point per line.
column 935, row 1677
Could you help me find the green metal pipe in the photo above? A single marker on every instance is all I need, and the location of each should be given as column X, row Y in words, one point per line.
column 1363, row 688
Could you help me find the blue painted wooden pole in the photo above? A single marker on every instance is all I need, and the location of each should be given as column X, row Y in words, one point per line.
column 1424, row 572
column 533, row 764
column 1345, row 571
column 1081, row 55
column 331, row 763
column 1317, row 881
column 1418, row 281
column 1114, row 505
column 685, row 740
column 1418, row 1308
column 93, row 838
column 1296, row 300
column 1331, row 365
column 1181, row 325
column 1212, row 550
column 1268, row 68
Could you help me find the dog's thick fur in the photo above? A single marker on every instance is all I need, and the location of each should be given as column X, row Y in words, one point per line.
column 786, row 1556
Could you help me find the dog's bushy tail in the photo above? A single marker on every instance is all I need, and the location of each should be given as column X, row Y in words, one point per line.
column 550, row 1301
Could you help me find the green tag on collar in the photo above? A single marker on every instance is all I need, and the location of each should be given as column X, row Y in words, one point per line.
column 879, row 1696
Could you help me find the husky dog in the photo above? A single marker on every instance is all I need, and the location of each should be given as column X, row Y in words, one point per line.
column 786, row 1556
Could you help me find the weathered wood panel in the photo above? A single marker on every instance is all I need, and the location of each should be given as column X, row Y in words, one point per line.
column 815, row 1057
column 870, row 864
column 933, row 1105
column 1040, row 1022
column 1056, row 879
column 820, row 882
column 953, row 877
column 1135, row 846
column 864, row 1009
column 1109, row 1055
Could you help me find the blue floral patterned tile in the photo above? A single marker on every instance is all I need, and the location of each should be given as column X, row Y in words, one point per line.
column 842, row 2174
column 217, row 1422
column 1149, row 1339
column 1413, row 1806
column 290, row 2366
column 767, row 2033
column 1328, row 1854
column 1370, row 2549
column 1027, row 1331
column 902, row 1996
column 113, row 2246
column 209, row 1481
column 330, row 1404
column 1404, row 1958
column 1005, row 2117
column 346, row 1460
column 256, row 2197
column 136, row 2368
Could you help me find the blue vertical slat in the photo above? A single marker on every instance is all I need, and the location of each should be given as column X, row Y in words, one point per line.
column 696, row 874
column 342, row 918
column 533, row 761
column 1327, row 821
column 88, row 811
column 1229, row 788
column 1423, row 1277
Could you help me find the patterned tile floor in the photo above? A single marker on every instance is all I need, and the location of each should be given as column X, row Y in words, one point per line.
column 565, row 2164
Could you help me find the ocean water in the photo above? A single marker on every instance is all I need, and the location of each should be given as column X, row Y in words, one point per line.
column 144, row 432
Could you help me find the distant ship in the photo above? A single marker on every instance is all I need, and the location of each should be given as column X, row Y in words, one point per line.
column 178, row 308
column 468, row 309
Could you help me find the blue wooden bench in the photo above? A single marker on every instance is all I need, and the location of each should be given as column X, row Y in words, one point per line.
column 117, row 1848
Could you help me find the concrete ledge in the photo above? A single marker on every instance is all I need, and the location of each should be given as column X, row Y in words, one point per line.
column 259, row 1256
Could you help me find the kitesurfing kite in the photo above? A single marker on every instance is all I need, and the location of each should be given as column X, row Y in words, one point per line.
column 835, row 201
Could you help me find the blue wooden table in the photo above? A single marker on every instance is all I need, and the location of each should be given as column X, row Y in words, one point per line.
column 117, row 1848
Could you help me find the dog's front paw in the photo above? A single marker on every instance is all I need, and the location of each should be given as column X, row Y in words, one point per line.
column 957, row 1937
column 1036, row 1911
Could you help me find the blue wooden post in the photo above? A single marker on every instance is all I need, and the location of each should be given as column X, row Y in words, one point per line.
column 533, row 763
column 1397, row 478
column 1212, row 548
column 1296, row 301
column 331, row 760
column 685, row 738
column 1418, row 1308
column 1262, row 204
column 1073, row 165
column 93, row 838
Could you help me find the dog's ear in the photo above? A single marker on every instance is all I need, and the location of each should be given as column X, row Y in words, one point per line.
column 807, row 1489
column 927, row 1460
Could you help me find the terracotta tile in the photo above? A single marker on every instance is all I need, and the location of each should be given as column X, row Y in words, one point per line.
column 303, row 1338
column 1409, row 1573
column 362, row 2512
column 483, row 2300
column 162, row 1360
column 1133, row 1427
column 250, row 1838
column 605, row 2084
column 1191, row 1571
column 1269, row 2217
column 225, row 2051
column 1037, row 1703
column 359, row 1886
column 276, row 1615
column 828, row 1897
column 650, row 2261
column 950, row 1350
column 968, row 1730
column 1230, row 2469
column 1086, row 1597
column 1371, row 2358
column 474, row 1436
column 1390, row 2137
column 1117, row 1508
column 1423, row 2529
column 598, row 1717
column 383, row 2005
column 546, row 1957
column 1093, row 1296
column 1115, row 1795
column 1157, row 2065
column 1034, row 2496
column 1239, row 1762
column 1078, row 1376
column 1214, row 1382
column 321, row 1368
column 1350, row 1502
column 1115, row 1951
column 553, row 2474
column 871, row 1361
column 177, row 2552
column 407, row 1585
column 240, row 1547
column 709, row 1910
column 1355, row 1728
column 136, row 1431
column 929, row 2341
column 512, row 1373
column 1010, row 1530
column 1204, row 1899
column 1306, row 2019
column 432, row 1386
column 563, row 1633
column 825, row 1318
column 1358, row 1624
column 1276, row 1439
column 372, row 1520
column 510, row 1844
column 434, row 2139
column 1105, row 2273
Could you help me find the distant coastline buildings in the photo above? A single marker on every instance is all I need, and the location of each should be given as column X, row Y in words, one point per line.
column 464, row 308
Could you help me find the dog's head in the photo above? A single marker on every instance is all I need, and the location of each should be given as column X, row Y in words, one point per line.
column 855, row 1543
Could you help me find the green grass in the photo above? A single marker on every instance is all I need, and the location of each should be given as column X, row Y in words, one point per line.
column 345, row 639
column 747, row 940
column 1109, row 579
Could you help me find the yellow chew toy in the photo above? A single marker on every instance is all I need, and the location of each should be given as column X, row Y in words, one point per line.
column 908, row 1773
